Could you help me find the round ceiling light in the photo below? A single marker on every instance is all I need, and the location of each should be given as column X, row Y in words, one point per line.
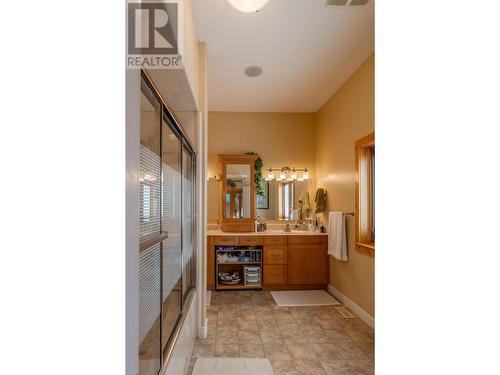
column 253, row 71
column 248, row 5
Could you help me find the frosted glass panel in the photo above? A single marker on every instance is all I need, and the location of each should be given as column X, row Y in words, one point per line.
column 171, row 224
column 149, row 200
column 149, row 289
column 149, row 227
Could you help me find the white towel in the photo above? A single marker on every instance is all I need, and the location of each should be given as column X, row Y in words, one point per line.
column 337, row 242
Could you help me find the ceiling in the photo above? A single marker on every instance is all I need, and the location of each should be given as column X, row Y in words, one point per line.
column 306, row 50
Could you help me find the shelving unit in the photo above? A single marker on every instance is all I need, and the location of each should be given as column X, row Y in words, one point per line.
column 254, row 253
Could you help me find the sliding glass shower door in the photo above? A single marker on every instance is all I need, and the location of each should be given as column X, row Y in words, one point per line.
column 166, row 224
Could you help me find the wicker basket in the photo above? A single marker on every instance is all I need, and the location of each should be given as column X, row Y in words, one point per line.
column 231, row 282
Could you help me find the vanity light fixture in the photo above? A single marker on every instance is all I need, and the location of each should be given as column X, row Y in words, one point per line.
column 248, row 6
column 288, row 174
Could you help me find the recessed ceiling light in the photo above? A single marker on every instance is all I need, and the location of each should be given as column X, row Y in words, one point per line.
column 248, row 5
column 253, row 71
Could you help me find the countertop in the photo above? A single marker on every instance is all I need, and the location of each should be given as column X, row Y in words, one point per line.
column 271, row 232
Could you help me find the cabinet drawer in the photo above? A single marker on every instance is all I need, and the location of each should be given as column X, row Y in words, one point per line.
column 274, row 240
column 274, row 275
column 238, row 227
column 226, row 240
column 307, row 240
column 274, row 255
column 250, row 240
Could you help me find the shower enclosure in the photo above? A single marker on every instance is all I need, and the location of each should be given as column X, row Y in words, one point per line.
column 166, row 221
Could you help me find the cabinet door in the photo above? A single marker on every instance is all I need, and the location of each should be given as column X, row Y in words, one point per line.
column 274, row 275
column 306, row 264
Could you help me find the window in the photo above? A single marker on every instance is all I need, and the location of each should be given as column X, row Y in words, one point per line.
column 365, row 194
column 286, row 199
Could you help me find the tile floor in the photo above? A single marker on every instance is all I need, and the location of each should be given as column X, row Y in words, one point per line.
column 297, row 340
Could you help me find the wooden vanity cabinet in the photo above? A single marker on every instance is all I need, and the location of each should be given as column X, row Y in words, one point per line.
column 210, row 263
column 307, row 260
column 289, row 262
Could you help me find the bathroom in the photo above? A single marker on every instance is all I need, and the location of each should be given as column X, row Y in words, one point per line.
column 190, row 187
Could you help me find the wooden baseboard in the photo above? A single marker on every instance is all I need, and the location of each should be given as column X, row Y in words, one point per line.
column 362, row 314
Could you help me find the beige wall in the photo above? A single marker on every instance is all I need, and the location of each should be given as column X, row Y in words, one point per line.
column 345, row 117
column 279, row 138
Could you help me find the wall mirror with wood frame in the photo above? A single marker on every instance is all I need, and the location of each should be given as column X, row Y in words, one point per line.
column 238, row 192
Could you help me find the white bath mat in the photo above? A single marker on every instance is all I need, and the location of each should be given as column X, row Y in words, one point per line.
column 209, row 296
column 232, row 366
column 304, row 298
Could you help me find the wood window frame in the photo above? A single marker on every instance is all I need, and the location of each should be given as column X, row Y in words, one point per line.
column 365, row 243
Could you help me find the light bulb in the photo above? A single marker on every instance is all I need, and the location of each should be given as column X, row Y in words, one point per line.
column 305, row 175
column 282, row 175
column 294, row 174
column 248, row 5
column 270, row 175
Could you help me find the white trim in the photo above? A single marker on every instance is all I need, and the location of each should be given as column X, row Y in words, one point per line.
column 203, row 334
column 362, row 314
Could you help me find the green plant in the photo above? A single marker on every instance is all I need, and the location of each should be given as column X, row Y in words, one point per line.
column 259, row 187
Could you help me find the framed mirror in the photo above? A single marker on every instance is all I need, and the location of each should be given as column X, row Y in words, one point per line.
column 238, row 193
column 284, row 199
